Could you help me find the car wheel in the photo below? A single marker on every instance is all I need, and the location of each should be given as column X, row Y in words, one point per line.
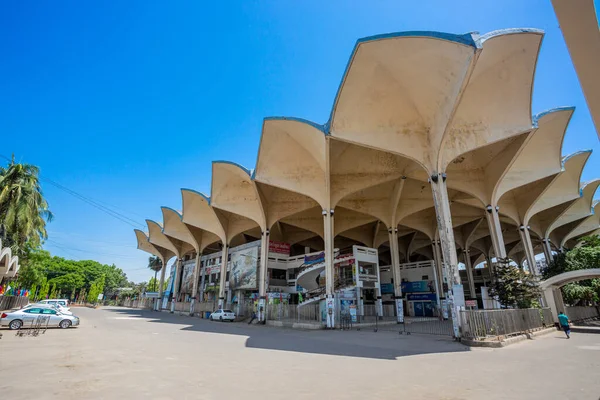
column 65, row 323
column 15, row 324
column 221, row 319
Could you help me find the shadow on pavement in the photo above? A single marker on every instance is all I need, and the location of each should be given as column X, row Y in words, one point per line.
column 366, row 344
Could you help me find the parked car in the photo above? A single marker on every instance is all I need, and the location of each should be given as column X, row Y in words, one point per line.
column 62, row 302
column 58, row 307
column 26, row 317
column 222, row 315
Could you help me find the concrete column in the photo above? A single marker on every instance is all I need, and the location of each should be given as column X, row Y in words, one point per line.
column 438, row 269
column 158, row 304
column 447, row 243
column 547, row 250
column 176, row 283
column 195, row 287
column 262, row 283
column 202, row 283
column 469, row 267
column 329, row 272
column 223, row 279
column 528, row 246
column 493, row 219
column 396, row 274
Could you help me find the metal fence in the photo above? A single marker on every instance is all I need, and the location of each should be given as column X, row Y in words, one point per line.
column 581, row 313
column 11, row 302
column 294, row 313
column 494, row 323
column 138, row 303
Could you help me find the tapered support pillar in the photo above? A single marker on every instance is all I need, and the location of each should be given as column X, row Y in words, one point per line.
column 223, row 278
column 528, row 247
column 262, row 283
column 493, row 220
column 329, row 265
column 547, row 250
column 439, row 271
column 469, row 268
column 161, row 284
column 176, row 283
column 202, row 283
column 448, row 246
column 396, row 274
column 195, row 287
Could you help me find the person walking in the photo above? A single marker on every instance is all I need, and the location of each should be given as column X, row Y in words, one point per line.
column 564, row 323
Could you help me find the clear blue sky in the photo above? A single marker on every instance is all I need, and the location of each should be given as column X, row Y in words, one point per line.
column 126, row 102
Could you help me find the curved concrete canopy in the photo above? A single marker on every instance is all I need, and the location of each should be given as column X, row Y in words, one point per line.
column 158, row 238
column 296, row 155
column 177, row 232
column 143, row 243
column 233, row 190
column 431, row 98
column 579, row 24
column 540, row 156
column 579, row 209
column 589, row 224
column 289, row 233
column 563, row 188
column 490, row 171
column 198, row 212
column 292, row 156
column 280, row 203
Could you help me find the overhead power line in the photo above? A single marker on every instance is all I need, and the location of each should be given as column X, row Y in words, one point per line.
column 94, row 203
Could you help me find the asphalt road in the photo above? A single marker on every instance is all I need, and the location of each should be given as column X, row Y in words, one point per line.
column 121, row 353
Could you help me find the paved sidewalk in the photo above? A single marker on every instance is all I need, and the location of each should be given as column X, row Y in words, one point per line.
column 121, row 353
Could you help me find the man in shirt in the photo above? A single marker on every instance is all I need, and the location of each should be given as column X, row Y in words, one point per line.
column 564, row 324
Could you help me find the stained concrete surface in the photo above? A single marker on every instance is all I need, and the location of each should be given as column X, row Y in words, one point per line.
column 124, row 353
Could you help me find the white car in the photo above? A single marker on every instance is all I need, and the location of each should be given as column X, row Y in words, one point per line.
column 25, row 318
column 222, row 315
column 58, row 307
column 60, row 302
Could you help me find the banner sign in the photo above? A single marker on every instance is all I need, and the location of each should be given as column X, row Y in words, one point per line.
column 387, row 288
column 314, row 258
column 279, row 247
column 187, row 278
column 421, row 297
column 243, row 269
column 418, row 286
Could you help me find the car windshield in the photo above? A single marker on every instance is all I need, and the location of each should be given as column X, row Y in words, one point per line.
column 228, row 311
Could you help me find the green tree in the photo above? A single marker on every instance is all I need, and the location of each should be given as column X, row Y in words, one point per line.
column 585, row 255
column 153, row 284
column 23, row 208
column 155, row 264
column 514, row 288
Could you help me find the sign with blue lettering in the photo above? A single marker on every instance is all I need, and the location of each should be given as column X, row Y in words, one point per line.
column 421, row 297
column 418, row 286
column 387, row 288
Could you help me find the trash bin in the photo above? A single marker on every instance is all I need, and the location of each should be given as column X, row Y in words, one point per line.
column 207, row 314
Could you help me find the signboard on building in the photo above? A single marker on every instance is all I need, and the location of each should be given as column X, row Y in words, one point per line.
column 314, row 258
column 244, row 269
column 187, row 278
column 387, row 288
column 418, row 286
column 421, row 297
column 471, row 304
column 279, row 247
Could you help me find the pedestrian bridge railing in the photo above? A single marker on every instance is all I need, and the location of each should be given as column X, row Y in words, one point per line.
column 493, row 323
column 582, row 313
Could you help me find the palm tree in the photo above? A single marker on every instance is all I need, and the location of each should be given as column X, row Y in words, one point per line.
column 23, row 209
column 155, row 264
